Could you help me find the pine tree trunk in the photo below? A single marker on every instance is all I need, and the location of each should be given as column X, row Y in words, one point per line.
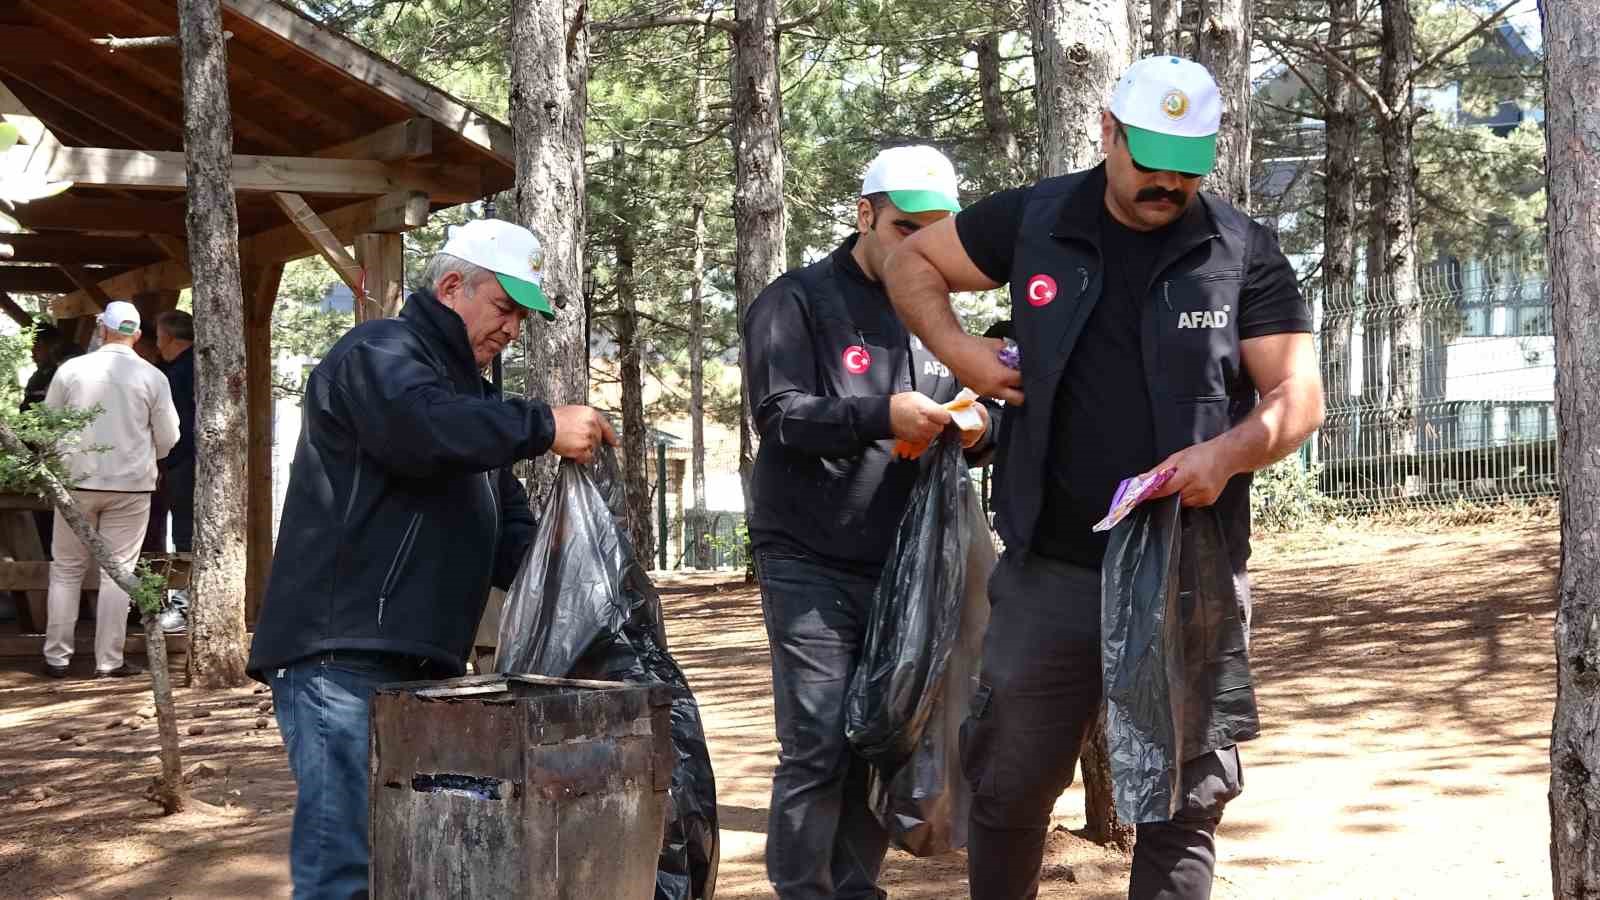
column 1080, row 49
column 636, row 462
column 216, row 616
column 1338, row 239
column 1375, row 300
column 1002, row 137
column 697, row 311
column 1099, row 807
column 1572, row 81
column 758, row 215
column 549, row 96
column 1165, row 36
column 1223, row 46
column 169, row 792
column 1399, row 235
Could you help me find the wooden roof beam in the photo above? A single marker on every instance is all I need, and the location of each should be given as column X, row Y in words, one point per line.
column 15, row 312
column 81, row 249
column 165, row 170
column 70, row 212
column 322, row 238
column 380, row 74
column 87, row 283
column 40, row 148
column 411, row 139
column 49, row 280
column 28, row 46
column 276, row 245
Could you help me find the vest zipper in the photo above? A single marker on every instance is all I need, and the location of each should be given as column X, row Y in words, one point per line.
column 398, row 564
column 1166, row 293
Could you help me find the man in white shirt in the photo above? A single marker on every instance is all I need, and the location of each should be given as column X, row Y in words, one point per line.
column 114, row 470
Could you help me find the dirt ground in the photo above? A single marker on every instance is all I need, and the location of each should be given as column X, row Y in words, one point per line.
column 1406, row 691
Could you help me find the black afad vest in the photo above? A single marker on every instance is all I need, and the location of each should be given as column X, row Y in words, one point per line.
column 1190, row 341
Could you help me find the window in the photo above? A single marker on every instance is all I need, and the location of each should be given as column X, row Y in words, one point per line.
column 1471, row 426
column 1501, row 425
column 1527, row 425
column 1534, row 320
column 1500, row 321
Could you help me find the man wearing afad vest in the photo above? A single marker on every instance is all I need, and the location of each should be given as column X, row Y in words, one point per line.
column 1158, row 328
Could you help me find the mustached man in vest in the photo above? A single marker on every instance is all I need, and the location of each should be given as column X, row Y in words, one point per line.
column 834, row 380
column 1159, row 328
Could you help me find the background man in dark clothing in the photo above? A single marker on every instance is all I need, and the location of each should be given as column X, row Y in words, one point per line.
column 401, row 511
column 175, row 343
column 51, row 348
column 834, row 378
column 1159, row 328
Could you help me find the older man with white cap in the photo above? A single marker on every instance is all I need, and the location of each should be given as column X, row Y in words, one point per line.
column 113, row 466
column 834, row 379
column 401, row 511
column 1159, row 328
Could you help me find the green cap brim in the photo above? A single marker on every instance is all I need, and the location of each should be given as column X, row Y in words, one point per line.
column 923, row 201
column 526, row 293
column 1172, row 153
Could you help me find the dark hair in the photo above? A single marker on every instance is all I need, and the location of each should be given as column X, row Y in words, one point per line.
column 46, row 335
column 878, row 199
column 177, row 323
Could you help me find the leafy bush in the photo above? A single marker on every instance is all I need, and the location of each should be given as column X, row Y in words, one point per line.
column 1285, row 497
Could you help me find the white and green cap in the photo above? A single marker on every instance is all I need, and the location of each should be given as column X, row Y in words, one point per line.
column 511, row 252
column 1171, row 110
column 917, row 179
column 122, row 317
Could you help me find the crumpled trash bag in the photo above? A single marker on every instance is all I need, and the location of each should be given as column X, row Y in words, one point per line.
column 583, row 607
column 1173, row 654
column 913, row 688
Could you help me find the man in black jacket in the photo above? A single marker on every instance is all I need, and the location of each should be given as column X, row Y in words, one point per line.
column 1159, row 328
column 834, row 379
column 175, row 343
column 401, row 511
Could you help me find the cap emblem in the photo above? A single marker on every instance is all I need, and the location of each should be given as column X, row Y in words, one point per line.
column 1175, row 104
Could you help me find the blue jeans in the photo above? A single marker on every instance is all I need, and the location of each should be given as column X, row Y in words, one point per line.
column 322, row 704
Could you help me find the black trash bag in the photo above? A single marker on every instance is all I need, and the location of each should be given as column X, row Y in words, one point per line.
column 1174, row 657
column 583, row 607
column 916, row 613
column 924, row 803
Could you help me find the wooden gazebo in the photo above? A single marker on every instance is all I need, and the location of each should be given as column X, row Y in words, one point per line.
column 334, row 146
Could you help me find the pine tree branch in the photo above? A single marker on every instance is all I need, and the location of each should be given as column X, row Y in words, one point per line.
column 1311, row 86
column 1456, row 44
column 803, row 21
column 641, row 23
column 1354, row 77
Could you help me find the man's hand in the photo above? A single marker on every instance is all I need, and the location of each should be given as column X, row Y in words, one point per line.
column 1201, row 472
column 915, row 418
column 579, row 431
column 969, row 438
column 976, row 364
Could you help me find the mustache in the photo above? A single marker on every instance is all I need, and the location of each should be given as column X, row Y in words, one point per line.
column 1154, row 194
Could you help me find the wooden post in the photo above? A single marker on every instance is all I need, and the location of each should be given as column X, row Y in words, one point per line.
column 260, row 294
column 383, row 267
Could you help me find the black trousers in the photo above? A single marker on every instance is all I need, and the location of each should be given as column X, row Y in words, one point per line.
column 822, row 839
column 177, row 489
column 1039, row 692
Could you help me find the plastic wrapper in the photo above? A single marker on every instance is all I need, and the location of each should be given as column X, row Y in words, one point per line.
column 1173, row 654
column 964, row 415
column 924, row 803
column 583, row 607
column 1130, row 493
column 1010, row 355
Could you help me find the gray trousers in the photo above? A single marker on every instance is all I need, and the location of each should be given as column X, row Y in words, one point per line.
column 822, row 839
column 1039, row 692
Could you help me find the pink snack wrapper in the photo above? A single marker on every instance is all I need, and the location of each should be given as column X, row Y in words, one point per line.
column 1130, row 493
